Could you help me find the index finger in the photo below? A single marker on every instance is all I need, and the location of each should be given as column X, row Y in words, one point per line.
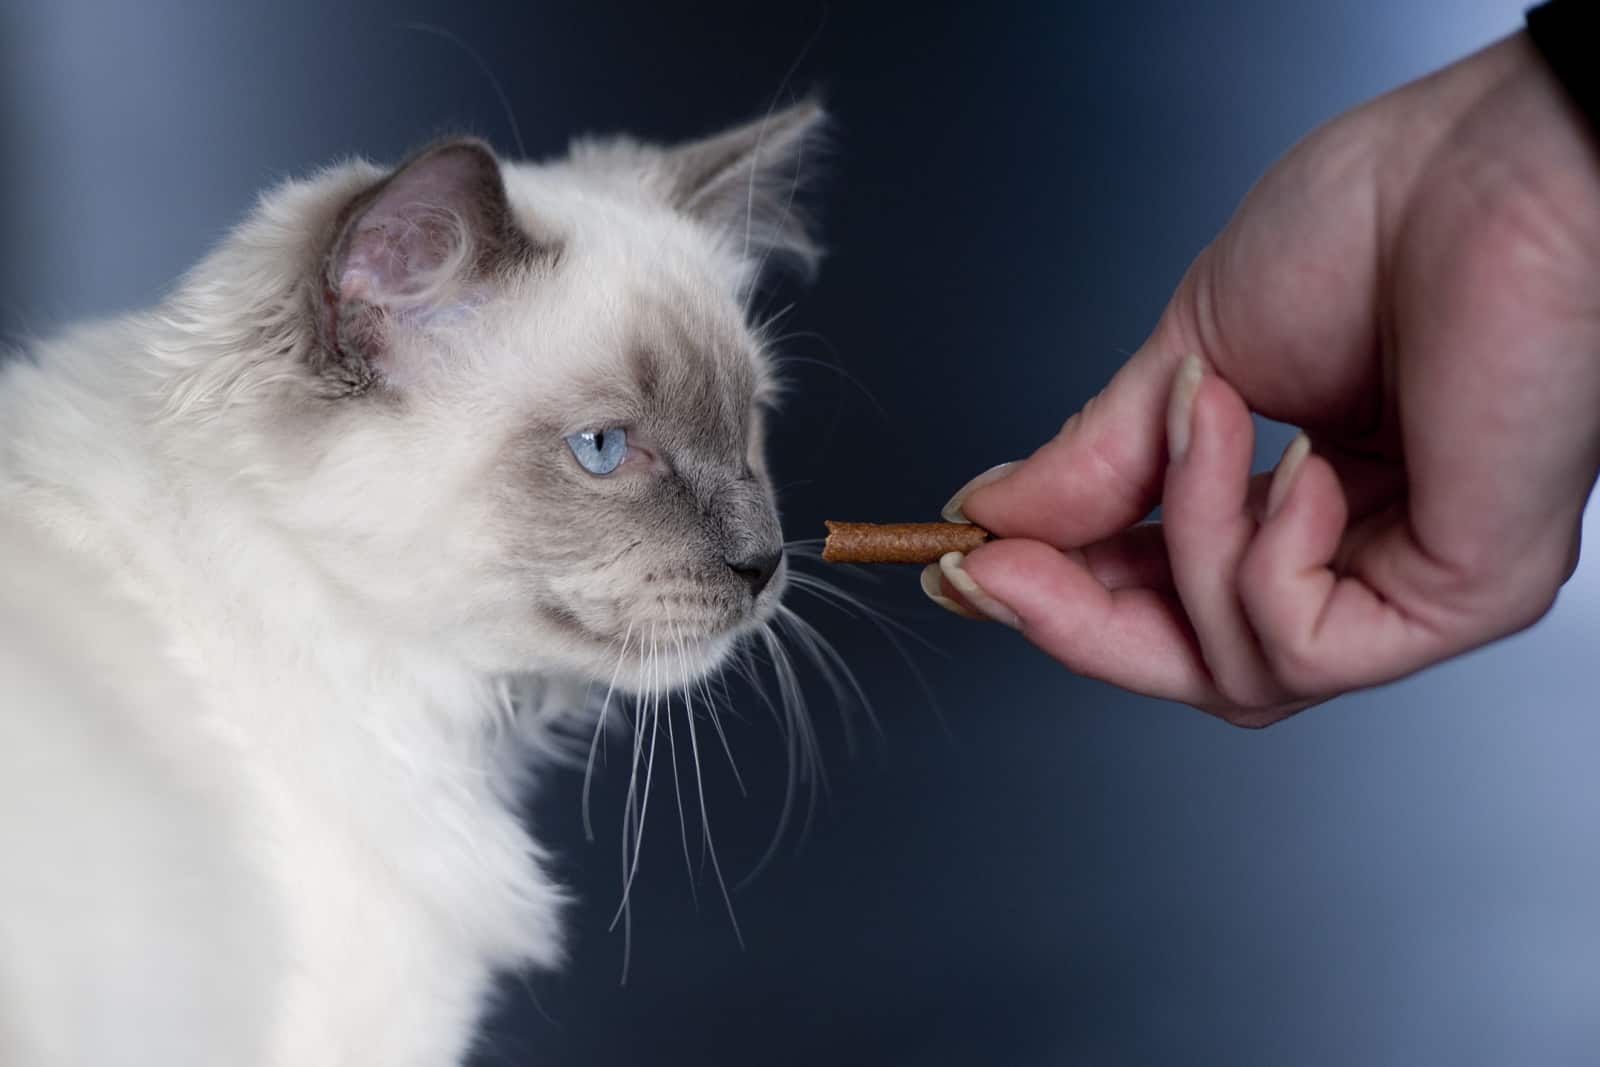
column 1101, row 473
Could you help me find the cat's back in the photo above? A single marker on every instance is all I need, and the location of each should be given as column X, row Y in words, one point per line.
column 132, row 928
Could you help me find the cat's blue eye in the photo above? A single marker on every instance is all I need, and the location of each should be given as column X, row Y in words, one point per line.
column 600, row 451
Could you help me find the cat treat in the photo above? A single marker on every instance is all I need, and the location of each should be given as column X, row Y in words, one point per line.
column 899, row 542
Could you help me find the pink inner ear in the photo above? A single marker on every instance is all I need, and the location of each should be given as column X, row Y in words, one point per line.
column 416, row 239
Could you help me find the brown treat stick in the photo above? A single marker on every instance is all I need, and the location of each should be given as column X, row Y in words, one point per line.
column 899, row 542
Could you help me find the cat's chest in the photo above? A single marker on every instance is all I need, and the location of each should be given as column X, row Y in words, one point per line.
column 371, row 798
column 404, row 883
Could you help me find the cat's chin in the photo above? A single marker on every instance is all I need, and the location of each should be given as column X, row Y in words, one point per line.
column 646, row 668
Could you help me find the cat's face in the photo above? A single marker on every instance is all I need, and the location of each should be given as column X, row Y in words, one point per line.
column 538, row 437
column 640, row 512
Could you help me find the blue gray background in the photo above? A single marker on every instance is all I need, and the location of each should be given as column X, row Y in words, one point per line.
column 1023, row 868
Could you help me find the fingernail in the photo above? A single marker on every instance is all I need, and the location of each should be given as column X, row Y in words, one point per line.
column 935, row 593
column 954, row 573
column 1180, row 406
column 952, row 511
column 1288, row 467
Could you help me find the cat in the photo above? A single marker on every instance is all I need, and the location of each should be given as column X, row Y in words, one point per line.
column 305, row 570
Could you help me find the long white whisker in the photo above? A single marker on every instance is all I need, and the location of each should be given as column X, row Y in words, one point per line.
column 738, row 779
column 705, row 822
column 780, row 359
column 810, row 765
column 639, row 715
column 792, row 749
column 763, row 329
column 631, row 814
column 850, row 604
column 830, row 662
column 644, row 807
column 677, row 790
column 599, row 726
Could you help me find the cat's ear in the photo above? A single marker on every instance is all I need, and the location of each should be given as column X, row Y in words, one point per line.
column 745, row 182
column 428, row 240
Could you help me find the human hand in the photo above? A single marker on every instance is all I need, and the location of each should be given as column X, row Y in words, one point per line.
column 1417, row 285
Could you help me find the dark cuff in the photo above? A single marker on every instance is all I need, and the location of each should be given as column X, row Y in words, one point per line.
column 1567, row 34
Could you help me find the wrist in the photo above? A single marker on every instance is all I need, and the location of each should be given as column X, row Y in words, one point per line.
column 1500, row 131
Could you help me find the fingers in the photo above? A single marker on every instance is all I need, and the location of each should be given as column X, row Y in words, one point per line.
column 1254, row 597
column 1219, row 606
column 1208, row 522
column 1333, row 618
column 1109, row 611
column 1100, row 474
column 1134, row 558
column 1135, row 638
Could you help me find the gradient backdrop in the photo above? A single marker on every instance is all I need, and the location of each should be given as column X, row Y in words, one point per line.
column 1059, row 874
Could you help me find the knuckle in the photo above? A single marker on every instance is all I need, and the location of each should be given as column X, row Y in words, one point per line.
column 1298, row 665
column 1257, row 579
column 1532, row 604
column 1512, row 591
column 1574, row 553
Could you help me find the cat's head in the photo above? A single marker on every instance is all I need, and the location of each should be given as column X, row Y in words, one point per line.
column 516, row 409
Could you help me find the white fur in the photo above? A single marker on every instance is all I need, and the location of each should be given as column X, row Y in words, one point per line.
column 251, row 802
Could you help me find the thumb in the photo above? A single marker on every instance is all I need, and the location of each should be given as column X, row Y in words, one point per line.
column 1102, row 472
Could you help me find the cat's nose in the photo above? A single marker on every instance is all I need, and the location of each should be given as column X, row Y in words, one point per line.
column 757, row 569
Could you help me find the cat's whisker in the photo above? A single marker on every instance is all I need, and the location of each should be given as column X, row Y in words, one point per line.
column 630, row 808
column 791, row 782
column 749, row 670
column 644, row 804
column 888, row 626
column 711, row 847
column 704, row 837
column 632, row 816
column 793, row 695
column 809, row 750
column 683, row 823
column 677, row 789
column 763, row 329
column 793, row 702
column 599, row 727
column 627, row 942
column 807, row 549
column 786, row 358
column 832, row 665
column 854, row 605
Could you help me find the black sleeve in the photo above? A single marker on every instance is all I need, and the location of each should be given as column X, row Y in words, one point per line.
column 1567, row 34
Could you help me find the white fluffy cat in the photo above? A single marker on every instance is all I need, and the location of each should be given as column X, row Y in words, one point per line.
column 275, row 554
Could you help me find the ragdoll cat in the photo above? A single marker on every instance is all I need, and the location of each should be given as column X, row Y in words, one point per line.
column 273, row 554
